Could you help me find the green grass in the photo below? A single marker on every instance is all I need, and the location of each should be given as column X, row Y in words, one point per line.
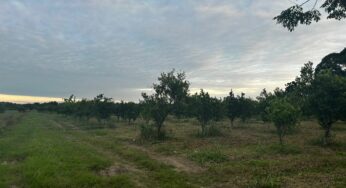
column 49, row 150
column 205, row 156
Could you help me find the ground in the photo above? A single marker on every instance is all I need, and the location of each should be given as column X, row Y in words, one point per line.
column 50, row 150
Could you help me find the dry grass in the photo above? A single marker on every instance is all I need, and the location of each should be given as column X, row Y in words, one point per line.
column 247, row 155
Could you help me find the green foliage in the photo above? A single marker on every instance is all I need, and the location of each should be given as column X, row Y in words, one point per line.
column 2, row 108
column 233, row 105
column 294, row 15
column 328, row 99
column 283, row 115
column 176, row 88
column 207, row 109
column 335, row 62
column 246, row 107
column 263, row 105
column 158, row 109
column 207, row 156
column 102, row 107
column 298, row 92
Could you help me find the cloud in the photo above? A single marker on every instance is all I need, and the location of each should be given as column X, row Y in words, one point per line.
column 119, row 47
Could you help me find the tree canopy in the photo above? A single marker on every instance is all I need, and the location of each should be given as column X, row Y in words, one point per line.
column 295, row 15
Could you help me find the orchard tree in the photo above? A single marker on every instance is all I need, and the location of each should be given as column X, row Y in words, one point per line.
column 84, row 109
column 299, row 91
column 264, row 100
column 175, row 87
column 207, row 109
column 159, row 109
column 328, row 100
column 246, row 107
column 102, row 107
column 233, row 106
column 67, row 108
column 294, row 15
column 283, row 115
column 131, row 111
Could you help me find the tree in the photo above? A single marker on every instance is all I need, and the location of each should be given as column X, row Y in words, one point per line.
column 299, row 90
column 131, row 111
column 283, row 115
column 246, row 107
column 263, row 104
column 102, row 107
column 233, row 107
column 328, row 99
column 175, row 87
column 2, row 109
column 294, row 15
column 158, row 109
column 207, row 108
column 336, row 62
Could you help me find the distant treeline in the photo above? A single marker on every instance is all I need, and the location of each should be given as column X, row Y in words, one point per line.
column 318, row 92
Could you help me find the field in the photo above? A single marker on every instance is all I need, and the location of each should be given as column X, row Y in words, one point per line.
column 49, row 150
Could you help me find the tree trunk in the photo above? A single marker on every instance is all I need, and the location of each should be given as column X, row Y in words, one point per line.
column 158, row 131
column 326, row 135
column 281, row 141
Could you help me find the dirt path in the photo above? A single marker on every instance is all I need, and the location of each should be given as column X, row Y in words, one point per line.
column 179, row 163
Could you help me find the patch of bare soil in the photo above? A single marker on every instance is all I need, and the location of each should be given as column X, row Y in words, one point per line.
column 180, row 163
column 117, row 169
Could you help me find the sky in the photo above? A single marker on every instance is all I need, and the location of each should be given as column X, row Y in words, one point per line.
column 52, row 49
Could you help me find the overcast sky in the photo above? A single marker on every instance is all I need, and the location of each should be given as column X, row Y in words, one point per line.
column 54, row 48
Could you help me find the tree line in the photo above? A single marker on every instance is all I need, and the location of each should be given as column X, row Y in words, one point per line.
column 316, row 93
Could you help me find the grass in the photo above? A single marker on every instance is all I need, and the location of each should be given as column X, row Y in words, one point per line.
column 49, row 150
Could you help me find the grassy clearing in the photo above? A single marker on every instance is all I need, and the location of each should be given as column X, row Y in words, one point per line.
column 48, row 150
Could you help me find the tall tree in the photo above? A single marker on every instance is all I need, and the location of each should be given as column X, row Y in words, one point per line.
column 336, row 62
column 299, row 90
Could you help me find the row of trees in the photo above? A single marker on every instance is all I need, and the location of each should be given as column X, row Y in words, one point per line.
column 319, row 93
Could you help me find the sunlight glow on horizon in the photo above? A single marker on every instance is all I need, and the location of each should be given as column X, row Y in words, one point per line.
column 22, row 99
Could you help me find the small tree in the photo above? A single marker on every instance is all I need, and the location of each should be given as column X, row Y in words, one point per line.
column 232, row 104
column 158, row 109
column 207, row 108
column 263, row 104
column 175, row 87
column 131, row 111
column 102, row 107
column 246, row 107
column 283, row 115
column 328, row 100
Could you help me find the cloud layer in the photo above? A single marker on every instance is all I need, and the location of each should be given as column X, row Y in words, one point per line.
column 119, row 47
